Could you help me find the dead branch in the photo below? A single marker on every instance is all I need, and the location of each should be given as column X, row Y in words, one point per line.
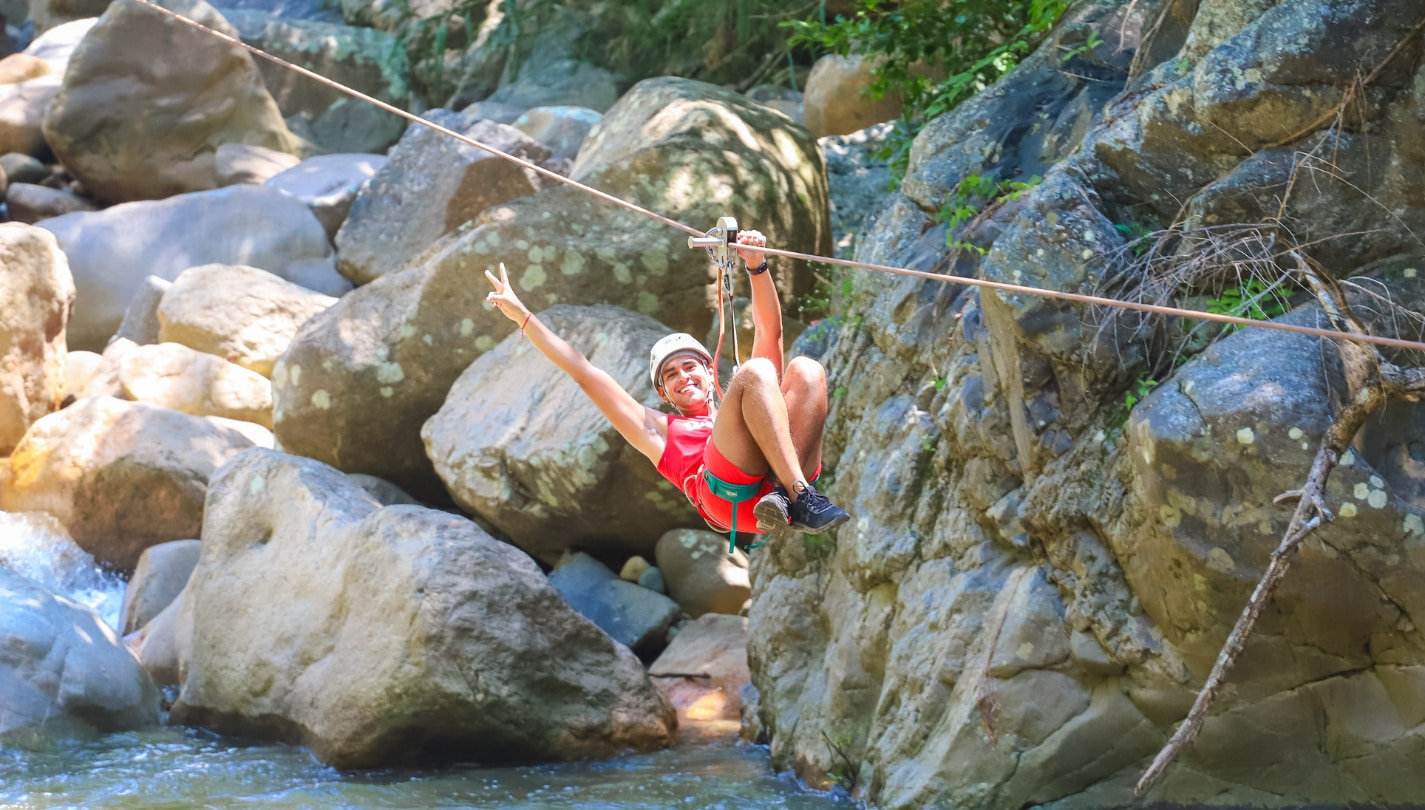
column 1373, row 381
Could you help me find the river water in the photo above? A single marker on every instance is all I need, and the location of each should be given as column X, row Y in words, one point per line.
column 169, row 767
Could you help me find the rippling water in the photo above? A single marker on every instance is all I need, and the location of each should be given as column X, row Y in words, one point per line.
column 169, row 767
column 180, row 768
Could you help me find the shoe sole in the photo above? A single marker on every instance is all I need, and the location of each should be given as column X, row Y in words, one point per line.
column 770, row 520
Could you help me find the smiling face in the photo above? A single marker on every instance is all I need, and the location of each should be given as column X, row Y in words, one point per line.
column 687, row 383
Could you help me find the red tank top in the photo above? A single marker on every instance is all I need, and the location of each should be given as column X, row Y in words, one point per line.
column 682, row 458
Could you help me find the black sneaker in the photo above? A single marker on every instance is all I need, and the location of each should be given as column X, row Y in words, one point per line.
column 773, row 512
column 814, row 513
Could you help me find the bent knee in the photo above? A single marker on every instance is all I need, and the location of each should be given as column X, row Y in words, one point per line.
column 758, row 370
column 804, row 372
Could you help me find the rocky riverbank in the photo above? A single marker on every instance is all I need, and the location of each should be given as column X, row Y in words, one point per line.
column 246, row 364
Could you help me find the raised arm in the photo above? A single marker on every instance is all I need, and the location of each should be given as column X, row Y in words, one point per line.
column 644, row 428
column 766, row 309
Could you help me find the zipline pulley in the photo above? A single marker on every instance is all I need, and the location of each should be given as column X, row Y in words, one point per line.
column 721, row 245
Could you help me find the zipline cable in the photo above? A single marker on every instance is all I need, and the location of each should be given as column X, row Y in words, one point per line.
column 1082, row 298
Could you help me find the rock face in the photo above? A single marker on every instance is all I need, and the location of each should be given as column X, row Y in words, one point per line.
column 416, row 638
column 132, row 131
column 121, row 476
column 432, row 185
column 64, row 668
column 171, row 375
column 546, row 467
column 836, row 103
column 111, row 251
column 38, row 292
column 242, row 314
column 1037, row 578
column 428, row 323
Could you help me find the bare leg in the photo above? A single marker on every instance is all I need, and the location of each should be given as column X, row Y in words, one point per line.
column 804, row 389
column 753, row 430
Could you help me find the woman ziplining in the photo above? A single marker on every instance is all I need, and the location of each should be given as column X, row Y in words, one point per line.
column 757, row 445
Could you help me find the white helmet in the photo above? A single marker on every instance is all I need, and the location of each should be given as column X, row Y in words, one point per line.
column 670, row 345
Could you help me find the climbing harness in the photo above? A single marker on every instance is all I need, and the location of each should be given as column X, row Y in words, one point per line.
column 1156, row 309
column 735, row 494
column 721, row 244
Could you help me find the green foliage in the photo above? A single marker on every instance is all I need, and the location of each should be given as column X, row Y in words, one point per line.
column 1141, row 388
column 971, row 196
column 1252, row 299
column 933, row 54
column 1139, row 236
column 1093, row 41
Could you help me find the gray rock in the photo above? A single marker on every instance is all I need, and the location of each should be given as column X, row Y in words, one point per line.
column 431, row 185
column 702, row 577
column 31, row 203
column 156, row 643
column 328, row 184
column 131, row 133
column 548, row 469
column 38, row 292
column 371, row 62
column 22, row 112
column 238, row 163
column 448, row 644
column 561, row 129
column 564, row 83
column 112, row 251
column 22, row 168
column 860, row 183
column 63, row 669
column 159, row 577
column 493, row 111
column 140, row 323
column 57, row 44
column 635, row 617
column 652, row 579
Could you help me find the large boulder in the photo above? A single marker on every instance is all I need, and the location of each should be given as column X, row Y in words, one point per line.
column 432, row 185
column 328, row 184
column 836, row 101
column 242, row 314
column 673, row 145
column 159, row 577
column 172, row 375
column 700, row 575
column 132, row 131
column 391, row 635
column 38, row 292
column 64, row 669
column 372, row 62
column 633, row 616
column 121, row 476
column 111, row 251
column 546, row 467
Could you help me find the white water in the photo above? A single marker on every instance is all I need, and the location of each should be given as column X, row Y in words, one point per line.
column 37, row 547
